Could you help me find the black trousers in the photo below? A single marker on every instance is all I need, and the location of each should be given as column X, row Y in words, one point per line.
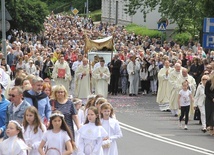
column 114, row 83
column 185, row 111
column 145, row 85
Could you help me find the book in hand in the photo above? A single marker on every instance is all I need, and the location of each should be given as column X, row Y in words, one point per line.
column 61, row 73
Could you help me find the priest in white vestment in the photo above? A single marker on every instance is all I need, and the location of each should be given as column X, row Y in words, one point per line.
column 192, row 85
column 164, row 87
column 82, row 80
column 61, row 73
column 173, row 99
column 101, row 77
column 133, row 69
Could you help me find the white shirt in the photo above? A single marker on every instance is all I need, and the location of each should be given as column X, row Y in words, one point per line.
column 184, row 99
column 16, row 108
column 75, row 65
column 31, row 69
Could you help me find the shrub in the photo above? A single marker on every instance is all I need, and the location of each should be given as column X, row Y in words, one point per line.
column 139, row 30
column 96, row 17
column 182, row 38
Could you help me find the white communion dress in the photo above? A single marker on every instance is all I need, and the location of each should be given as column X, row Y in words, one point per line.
column 90, row 140
column 13, row 146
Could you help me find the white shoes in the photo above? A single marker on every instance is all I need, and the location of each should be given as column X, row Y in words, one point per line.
column 185, row 127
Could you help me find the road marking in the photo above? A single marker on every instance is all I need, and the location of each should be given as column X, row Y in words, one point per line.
column 165, row 140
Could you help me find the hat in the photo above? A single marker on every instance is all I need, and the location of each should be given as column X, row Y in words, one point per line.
column 2, row 87
column 30, row 61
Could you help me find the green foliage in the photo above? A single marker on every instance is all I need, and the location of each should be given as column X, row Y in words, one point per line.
column 182, row 38
column 96, row 15
column 187, row 14
column 143, row 31
column 28, row 15
column 65, row 5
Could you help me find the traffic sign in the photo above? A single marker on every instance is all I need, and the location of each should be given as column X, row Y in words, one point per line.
column 208, row 25
column 7, row 15
column 208, row 41
column 75, row 11
column 162, row 26
column 7, row 25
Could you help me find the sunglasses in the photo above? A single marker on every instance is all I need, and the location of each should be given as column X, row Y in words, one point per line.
column 12, row 95
column 206, row 73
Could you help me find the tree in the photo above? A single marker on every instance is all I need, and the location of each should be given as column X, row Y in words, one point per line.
column 65, row 5
column 28, row 15
column 187, row 14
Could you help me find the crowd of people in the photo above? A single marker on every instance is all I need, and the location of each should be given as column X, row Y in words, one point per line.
column 177, row 74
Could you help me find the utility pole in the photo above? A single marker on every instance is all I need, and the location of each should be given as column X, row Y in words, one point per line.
column 87, row 8
column 3, row 29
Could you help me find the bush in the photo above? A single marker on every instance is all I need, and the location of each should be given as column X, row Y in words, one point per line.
column 143, row 31
column 96, row 17
column 182, row 38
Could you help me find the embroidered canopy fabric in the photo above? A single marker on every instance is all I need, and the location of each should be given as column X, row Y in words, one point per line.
column 99, row 44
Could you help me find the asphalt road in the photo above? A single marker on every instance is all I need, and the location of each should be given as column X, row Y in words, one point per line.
column 147, row 131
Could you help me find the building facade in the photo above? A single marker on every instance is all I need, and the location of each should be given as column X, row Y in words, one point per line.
column 113, row 12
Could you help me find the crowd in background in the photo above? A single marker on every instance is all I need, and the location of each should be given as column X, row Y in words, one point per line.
column 137, row 62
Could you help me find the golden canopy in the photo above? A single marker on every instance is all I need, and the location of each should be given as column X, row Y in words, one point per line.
column 99, row 44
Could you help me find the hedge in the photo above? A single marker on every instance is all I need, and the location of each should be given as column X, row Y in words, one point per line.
column 139, row 30
column 182, row 38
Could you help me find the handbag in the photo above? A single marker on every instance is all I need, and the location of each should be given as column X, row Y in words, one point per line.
column 151, row 77
column 197, row 115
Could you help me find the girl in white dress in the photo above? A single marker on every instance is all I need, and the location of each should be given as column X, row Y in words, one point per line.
column 112, row 127
column 78, row 104
column 58, row 139
column 15, row 144
column 33, row 130
column 91, row 134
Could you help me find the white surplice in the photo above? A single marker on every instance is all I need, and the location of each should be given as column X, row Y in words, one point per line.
column 101, row 82
column 62, row 81
column 163, row 94
column 82, row 83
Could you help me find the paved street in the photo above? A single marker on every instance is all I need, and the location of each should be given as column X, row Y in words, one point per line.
column 148, row 131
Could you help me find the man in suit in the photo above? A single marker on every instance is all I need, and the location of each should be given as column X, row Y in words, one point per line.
column 115, row 74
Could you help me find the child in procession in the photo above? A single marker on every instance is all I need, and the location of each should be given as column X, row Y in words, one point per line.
column 58, row 138
column 91, row 134
column 112, row 127
column 184, row 100
column 33, row 130
column 14, row 144
column 78, row 104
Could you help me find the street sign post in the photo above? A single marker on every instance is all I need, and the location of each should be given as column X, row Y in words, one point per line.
column 208, row 33
column 75, row 11
column 208, row 25
column 161, row 26
column 208, row 41
column 7, row 15
column 7, row 25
